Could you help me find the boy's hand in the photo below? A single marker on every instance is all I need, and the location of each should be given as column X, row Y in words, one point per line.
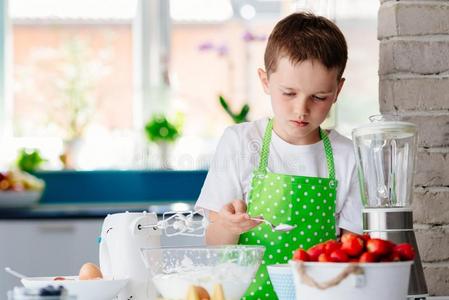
column 234, row 218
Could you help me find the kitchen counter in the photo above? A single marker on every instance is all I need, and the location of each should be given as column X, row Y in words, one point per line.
column 84, row 211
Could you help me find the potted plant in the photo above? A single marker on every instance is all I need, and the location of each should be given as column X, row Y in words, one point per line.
column 162, row 131
column 29, row 160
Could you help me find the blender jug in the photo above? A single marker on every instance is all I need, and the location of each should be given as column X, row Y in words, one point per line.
column 385, row 153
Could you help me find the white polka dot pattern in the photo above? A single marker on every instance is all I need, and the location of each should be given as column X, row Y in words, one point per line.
column 307, row 202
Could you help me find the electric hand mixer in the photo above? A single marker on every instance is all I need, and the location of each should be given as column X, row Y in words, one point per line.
column 124, row 234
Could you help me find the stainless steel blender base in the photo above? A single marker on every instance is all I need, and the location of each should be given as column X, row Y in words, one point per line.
column 396, row 224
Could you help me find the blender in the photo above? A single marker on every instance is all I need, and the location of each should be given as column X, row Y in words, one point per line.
column 385, row 153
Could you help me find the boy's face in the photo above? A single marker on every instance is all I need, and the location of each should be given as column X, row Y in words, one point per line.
column 301, row 96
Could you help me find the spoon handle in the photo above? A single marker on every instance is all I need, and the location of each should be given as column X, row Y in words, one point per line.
column 264, row 221
column 258, row 219
column 14, row 273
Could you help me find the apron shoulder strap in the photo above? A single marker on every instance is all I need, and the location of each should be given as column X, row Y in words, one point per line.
column 263, row 163
column 329, row 153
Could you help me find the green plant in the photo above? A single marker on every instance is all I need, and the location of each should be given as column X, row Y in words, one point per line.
column 29, row 160
column 160, row 129
column 236, row 117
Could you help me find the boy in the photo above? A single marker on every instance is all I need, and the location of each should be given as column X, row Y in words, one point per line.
column 287, row 169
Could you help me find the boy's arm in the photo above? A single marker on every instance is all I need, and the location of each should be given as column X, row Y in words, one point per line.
column 350, row 215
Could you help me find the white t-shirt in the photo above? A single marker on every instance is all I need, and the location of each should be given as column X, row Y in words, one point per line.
column 238, row 153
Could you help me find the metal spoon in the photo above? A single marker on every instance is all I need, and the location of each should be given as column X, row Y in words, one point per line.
column 281, row 227
column 15, row 273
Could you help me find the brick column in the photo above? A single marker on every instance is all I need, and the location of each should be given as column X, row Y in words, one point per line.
column 414, row 82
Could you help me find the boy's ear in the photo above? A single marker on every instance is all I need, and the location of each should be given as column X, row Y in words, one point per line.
column 340, row 86
column 263, row 76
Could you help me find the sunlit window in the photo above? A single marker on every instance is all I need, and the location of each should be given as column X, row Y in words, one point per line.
column 72, row 75
column 80, row 78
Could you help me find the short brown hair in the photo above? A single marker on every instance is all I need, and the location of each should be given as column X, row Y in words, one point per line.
column 302, row 36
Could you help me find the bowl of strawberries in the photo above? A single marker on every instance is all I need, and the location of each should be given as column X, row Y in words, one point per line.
column 354, row 267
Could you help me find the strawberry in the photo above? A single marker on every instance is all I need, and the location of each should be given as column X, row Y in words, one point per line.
column 331, row 245
column 59, row 278
column 405, row 251
column 315, row 251
column 324, row 257
column 379, row 247
column 339, row 255
column 347, row 236
column 365, row 237
column 393, row 256
column 367, row 257
column 301, row 255
column 352, row 244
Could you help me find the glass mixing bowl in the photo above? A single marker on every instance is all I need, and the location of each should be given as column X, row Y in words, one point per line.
column 174, row 270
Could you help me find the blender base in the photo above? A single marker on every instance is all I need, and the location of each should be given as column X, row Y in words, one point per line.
column 396, row 224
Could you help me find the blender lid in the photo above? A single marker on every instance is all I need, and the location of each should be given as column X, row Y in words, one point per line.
column 385, row 127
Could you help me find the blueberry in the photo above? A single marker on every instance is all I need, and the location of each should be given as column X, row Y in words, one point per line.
column 51, row 291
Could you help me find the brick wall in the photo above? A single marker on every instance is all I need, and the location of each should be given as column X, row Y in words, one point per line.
column 414, row 82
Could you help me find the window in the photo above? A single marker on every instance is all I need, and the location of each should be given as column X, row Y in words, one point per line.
column 99, row 69
column 72, row 69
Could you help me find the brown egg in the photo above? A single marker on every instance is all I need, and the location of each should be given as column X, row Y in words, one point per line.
column 90, row 271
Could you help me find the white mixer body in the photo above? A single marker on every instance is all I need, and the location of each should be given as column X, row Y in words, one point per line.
column 122, row 237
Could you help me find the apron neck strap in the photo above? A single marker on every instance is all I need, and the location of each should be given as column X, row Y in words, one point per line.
column 263, row 163
column 329, row 153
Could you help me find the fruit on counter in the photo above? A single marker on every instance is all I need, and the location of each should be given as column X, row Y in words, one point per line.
column 90, row 271
column 339, row 255
column 315, row 251
column 301, row 255
column 367, row 257
column 16, row 180
column 197, row 293
column 352, row 244
column 379, row 247
column 405, row 251
column 218, row 293
column 331, row 245
column 59, row 278
column 365, row 237
column 324, row 257
column 356, row 248
column 394, row 256
column 52, row 291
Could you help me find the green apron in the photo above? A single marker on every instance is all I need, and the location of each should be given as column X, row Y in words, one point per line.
column 307, row 202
